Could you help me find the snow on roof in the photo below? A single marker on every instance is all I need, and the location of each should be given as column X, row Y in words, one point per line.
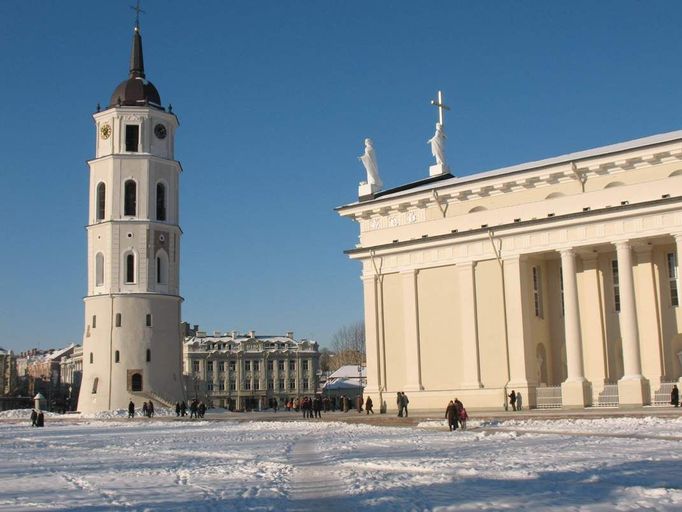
column 349, row 371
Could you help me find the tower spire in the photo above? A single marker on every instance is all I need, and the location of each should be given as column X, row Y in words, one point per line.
column 136, row 59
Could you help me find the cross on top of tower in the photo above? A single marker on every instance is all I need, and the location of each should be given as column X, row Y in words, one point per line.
column 137, row 10
column 442, row 107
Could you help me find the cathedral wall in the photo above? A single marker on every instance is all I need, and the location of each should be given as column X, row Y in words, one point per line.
column 491, row 324
column 439, row 328
column 394, row 338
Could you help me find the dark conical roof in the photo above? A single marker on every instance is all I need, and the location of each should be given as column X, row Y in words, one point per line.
column 136, row 90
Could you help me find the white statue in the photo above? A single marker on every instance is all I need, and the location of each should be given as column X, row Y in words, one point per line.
column 438, row 144
column 369, row 160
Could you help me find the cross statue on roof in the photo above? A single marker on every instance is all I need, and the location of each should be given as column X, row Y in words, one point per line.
column 137, row 10
column 442, row 107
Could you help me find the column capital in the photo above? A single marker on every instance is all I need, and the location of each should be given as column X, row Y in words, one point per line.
column 677, row 236
column 622, row 244
column 567, row 252
column 411, row 272
column 466, row 264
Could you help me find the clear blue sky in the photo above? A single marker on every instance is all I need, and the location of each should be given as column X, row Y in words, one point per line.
column 275, row 99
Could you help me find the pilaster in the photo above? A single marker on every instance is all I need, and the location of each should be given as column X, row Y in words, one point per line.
column 470, row 357
column 369, row 286
column 411, row 331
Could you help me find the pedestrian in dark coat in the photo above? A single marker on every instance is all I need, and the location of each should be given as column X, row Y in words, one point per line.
column 462, row 415
column 131, row 410
column 512, row 399
column 34, row 417
column 150, row 409
column 177, row 408
column 40, row 420
column 675, row 396
column 183, row 409
column 451, row 415
column 359, row 402
column 369, row 405
column 399, row 403
column 404, row 401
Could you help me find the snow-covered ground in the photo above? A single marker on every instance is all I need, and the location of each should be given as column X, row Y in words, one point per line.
column 150, row 465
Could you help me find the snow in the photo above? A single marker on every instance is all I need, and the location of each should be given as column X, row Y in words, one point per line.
column 169, row 465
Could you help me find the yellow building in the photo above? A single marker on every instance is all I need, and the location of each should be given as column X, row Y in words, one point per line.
column 557, row 279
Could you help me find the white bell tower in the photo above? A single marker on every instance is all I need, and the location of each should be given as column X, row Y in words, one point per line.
column 132, row 344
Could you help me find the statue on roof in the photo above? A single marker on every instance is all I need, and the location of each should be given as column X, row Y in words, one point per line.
column 438, row 144
column 369, row 160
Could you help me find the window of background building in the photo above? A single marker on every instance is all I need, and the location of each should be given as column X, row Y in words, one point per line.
column 209, row 386
column 233, row 366
column 270, row 365
column 305, row 365
column 209, row 366
column 292, row 384
column 292, row 365
column 132, row 137
column 256, row 366
column 195, row 366
column 280, row 384
column 221, row 385
column 305, row 384
column 130, row 198
column 101, row 200
column 221, row 366
column 271, row 384
column 280, row 366
column 247, row 385
column 256, row 384
column 233, row 385
column 247, row 366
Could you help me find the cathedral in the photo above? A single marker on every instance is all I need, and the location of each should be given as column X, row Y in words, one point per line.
column 558, row 279
column 132, row 342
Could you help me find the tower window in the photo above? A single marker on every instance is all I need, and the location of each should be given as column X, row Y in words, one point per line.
column 91, row 358
column 101, row 200
column 149, row 355
column 117, row 356
column 132, row 137
column 99, row 269
column 94, row 321
column 149, row 322
column 94, row 385
column 136, row 382
column 161, row 268
column 130, row 268
column 160, row 201
column 118, row 319
column 130, row 196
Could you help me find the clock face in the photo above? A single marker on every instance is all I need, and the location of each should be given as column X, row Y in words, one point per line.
column 160, row 131
column 105, row 131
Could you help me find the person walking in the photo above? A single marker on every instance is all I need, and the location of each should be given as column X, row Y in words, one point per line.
column 462, row 415
column 34, row 417
column 369, row 405
column 150, row 409
column 177, row 409
column 451, row 415
column 512, row 399
column 40, row 420
column 399, row 403
column 145, row 409
column 131, row 410
column 675, row 396
column 183, row 409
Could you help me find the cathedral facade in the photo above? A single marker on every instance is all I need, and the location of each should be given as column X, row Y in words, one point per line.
column 558, row 277
column 132, row 344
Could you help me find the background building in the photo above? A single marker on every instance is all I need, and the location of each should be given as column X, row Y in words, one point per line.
column 245, row 371
column 557, row 278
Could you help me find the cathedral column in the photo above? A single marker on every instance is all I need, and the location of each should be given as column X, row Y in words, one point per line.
column 574, row 391
column 632, row 389
column 648, row 318
column 369, row 285
column 592, row 321
column 470, row 367
column 678, row 262
column 518, row 330
column 413, row 378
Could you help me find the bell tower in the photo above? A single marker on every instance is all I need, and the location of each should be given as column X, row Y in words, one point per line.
column 132, row 344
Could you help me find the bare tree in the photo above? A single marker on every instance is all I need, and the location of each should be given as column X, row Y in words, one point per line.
column 348, row 343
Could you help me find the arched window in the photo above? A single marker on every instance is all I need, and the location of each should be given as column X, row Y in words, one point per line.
column 149, row 355
column 136, row 382
column 117, row 356
column 99, row 269
column 160, row 201
column 478, row 209
column 130, row 268
column 101, row 200
column 554, row 195
column 130, row 195
column 161, row 268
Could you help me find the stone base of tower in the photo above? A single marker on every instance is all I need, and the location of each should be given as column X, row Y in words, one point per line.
column 126, row 359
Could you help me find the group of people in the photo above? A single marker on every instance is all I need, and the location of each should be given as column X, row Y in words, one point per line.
column 37, row 418
column 402, row 401
column 147, row 409
column 456, row 415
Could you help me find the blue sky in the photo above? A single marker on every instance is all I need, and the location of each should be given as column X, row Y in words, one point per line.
column 274, row 100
